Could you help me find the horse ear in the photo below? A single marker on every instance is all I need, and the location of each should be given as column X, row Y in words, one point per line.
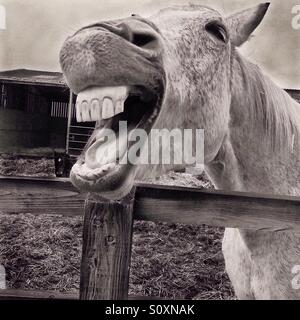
column 243, row 23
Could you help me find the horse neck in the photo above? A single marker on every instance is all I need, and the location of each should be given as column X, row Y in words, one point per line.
column 261, row 151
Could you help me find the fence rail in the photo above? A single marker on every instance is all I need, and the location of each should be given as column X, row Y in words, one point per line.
column 159, row 203
column 17, row 294
column 107, row 227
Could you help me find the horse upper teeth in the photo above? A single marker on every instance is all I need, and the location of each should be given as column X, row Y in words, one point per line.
column 99, row 103
column 95, row 112
column 78, row 114
column 119, row 106
column 85, row 111
column 107, row 109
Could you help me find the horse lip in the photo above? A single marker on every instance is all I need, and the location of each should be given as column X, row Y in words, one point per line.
column 114, row 185
column 83, row 71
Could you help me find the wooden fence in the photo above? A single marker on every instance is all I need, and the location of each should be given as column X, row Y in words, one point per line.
column 108, row 225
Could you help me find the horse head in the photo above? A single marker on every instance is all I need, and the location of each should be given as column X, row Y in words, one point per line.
column 172, row 70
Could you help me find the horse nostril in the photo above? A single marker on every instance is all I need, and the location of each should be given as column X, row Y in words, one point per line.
column 143, row 40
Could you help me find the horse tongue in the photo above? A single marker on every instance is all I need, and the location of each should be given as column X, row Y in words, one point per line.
column 105, row 151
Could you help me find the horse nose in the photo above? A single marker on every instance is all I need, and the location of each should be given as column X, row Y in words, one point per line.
column 141, row 37
column 138, row 33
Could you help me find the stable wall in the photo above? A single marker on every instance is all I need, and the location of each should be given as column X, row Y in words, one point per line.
column 23, row 130
column 58, row 132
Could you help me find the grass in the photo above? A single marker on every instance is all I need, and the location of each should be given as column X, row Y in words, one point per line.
column 168, row 260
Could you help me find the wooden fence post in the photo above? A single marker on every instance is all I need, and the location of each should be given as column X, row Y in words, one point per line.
column 107, row 236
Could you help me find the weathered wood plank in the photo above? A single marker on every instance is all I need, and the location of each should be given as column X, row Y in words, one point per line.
column 217, row 208
column 107, row 236
column 40, row 196
column 159, row 203
column 18, row 294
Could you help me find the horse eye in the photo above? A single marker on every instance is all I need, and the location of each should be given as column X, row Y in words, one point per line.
column 219, row 31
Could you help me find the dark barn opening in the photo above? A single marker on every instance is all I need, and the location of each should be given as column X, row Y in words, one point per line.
column 36, row 116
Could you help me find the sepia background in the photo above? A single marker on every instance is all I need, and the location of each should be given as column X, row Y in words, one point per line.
column 36, row 29
column 43, row 252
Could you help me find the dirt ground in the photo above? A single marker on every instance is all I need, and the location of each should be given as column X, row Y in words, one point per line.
column 168, row 260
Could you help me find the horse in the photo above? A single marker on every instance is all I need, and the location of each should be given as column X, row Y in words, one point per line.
column 62, row 163
column 181, row 68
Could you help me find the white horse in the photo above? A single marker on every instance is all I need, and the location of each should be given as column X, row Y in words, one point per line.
column 184, row 66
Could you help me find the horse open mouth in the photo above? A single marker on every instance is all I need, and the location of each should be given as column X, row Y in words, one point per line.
column 103, row 166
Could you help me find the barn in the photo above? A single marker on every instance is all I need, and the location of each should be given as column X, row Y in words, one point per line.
column 37, row 116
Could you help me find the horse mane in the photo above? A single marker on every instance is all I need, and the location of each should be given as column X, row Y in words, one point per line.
column 271, row 106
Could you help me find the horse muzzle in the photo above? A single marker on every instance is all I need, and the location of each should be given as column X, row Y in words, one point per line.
column 115, row 68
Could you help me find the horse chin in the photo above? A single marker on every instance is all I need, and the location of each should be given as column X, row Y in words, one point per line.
column 113, row 185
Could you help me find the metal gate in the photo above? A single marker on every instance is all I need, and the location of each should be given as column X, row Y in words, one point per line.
column 78, row 137
column 77, row 134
